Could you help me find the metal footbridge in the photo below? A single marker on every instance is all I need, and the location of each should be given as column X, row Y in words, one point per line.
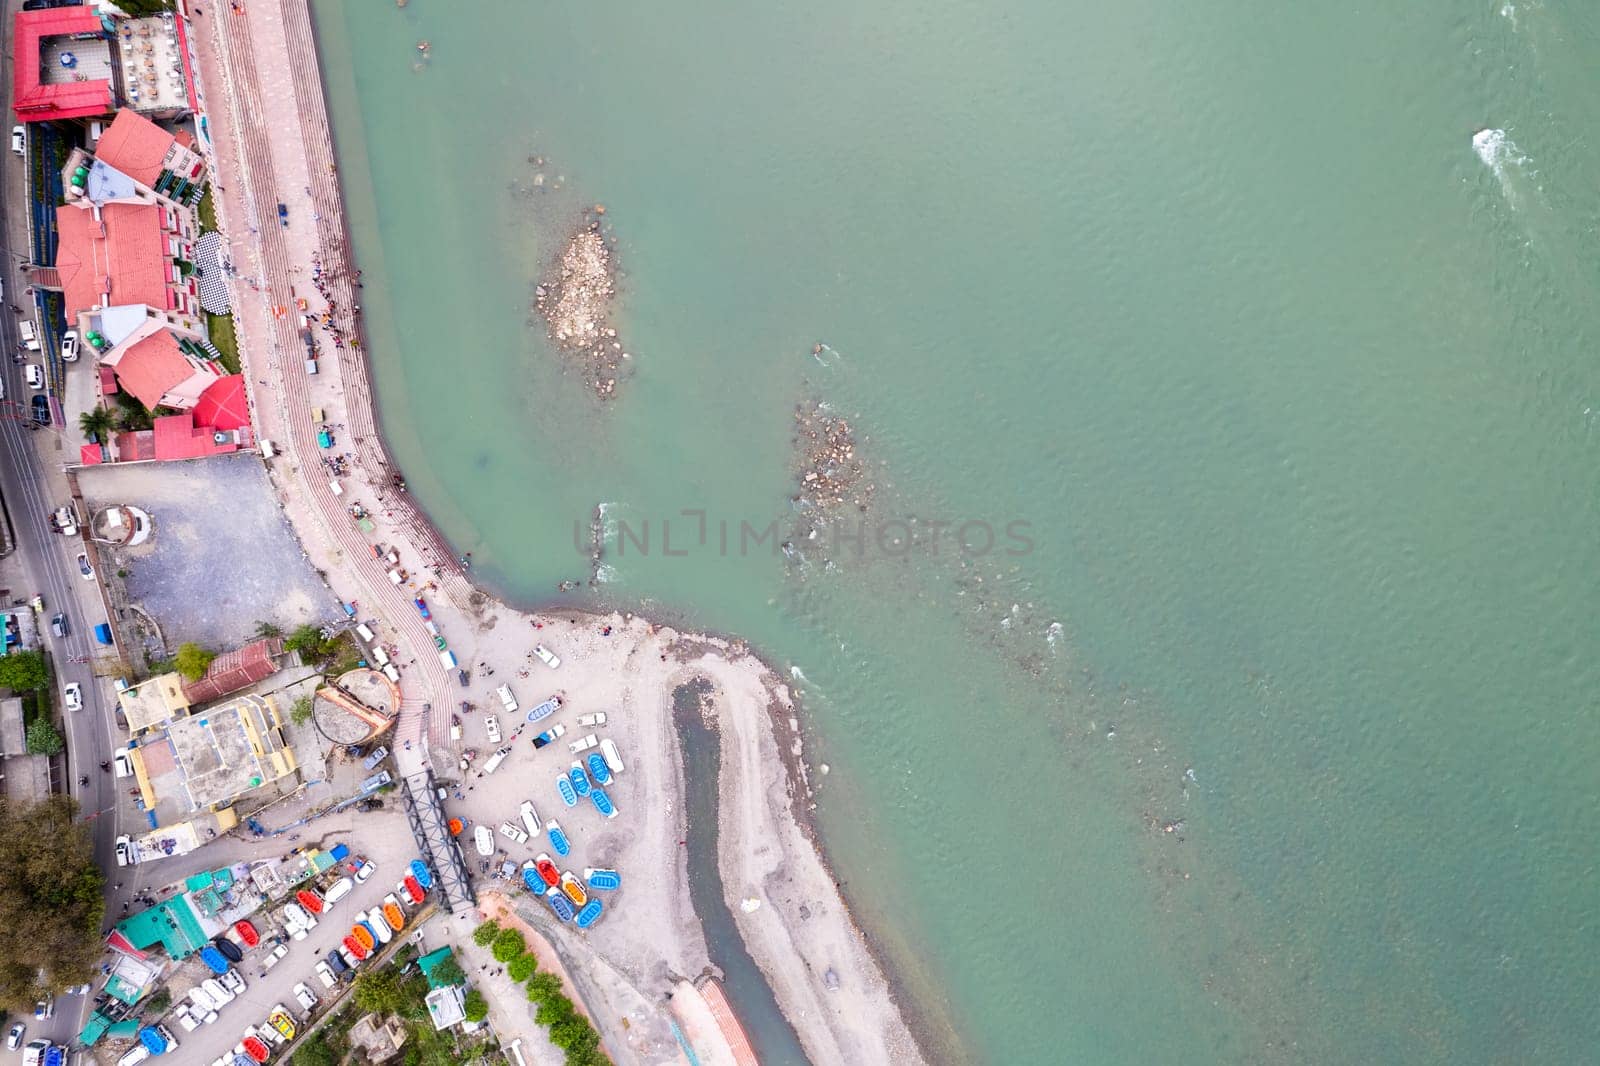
column 440, row 850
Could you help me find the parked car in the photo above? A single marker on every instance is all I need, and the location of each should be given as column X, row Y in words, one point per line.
column 19, row 140
column 29, row 335
column 58, row 624
column 33, row 374
column 513, row 832
column 325, row 974
column 69, row 346
column 491, row 726
column 45, row 1008
column 85, row 571
column 305, row 997
column 125, row 851
column 41, row 410
column 65, row 520
column 14, row 1036
column 33, row 1054
column 72, row 696
column 336, row 962
column 275, row 956
column 363, row 869
column 597, row 718
column 123, row 762
column 546, row 656
column 202, row 1000
column 185, row 1020
column 583, row 743
column 233, row 982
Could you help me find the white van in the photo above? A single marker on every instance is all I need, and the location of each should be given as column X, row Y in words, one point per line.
column 496, row 759
column 379, row 656
column 506, row 698
column 30, row 337
column 364, row 631
column 392, row 673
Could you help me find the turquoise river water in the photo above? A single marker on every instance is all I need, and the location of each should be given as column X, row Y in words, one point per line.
column 1261, row 337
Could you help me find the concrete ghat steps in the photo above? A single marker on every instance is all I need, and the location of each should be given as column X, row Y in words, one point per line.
column 238, row 36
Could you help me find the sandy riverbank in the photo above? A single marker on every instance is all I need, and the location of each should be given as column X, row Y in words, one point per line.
column 651, row 937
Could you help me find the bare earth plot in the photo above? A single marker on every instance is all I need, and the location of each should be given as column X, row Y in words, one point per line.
column 222, row 557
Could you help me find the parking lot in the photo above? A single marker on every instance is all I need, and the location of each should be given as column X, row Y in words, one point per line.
column 210, row 573
column 384, row 839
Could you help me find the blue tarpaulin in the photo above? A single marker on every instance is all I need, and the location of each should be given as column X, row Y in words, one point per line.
column 340, row 853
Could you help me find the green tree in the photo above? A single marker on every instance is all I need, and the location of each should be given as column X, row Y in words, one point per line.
column 380, row 991
column 476, row 1006
column 43, row 737
column 300, row 713
column 95, row 424
column 557, row 1008
column 268, row 629
column 521, row 968
column 157, row 1004
column 24, row 671
column 131, row 414
column 309, row 643
column 315, row 1052
column 585, row 1049
column 508, row 944
column 448, row 972
column 543, row 987
column 484, row 935
column 51, row 901
column 144, row 8
column 569, row 1030
column 192, row 660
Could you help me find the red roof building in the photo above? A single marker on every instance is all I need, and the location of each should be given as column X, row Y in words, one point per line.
column 218, row 425
column 33, row 99
column 145, row 152
column 224, row 405
column 159, row 372
column 116, row 255
column 235, row 670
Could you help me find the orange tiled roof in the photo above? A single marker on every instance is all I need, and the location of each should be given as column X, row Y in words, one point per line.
column 130, row 254
column 134, row 145
column 151, row 368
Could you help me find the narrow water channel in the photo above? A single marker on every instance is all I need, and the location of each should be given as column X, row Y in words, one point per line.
column 770, row 1034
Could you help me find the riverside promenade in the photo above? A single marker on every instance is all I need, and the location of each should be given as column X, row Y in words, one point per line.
column 271, row 145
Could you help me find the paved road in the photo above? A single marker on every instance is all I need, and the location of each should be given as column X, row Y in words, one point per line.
column 32, row 480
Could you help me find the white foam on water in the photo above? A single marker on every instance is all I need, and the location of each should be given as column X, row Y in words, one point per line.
column 1509, row 12
column 608, row 522
column 605, row 573
column 1497, row 151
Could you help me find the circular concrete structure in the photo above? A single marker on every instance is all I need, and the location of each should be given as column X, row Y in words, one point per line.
column 359, row 706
